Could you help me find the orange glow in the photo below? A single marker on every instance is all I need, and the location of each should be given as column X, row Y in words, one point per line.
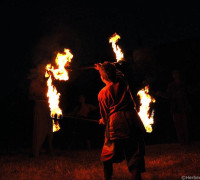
column 62, row 60
column 145, row 101
column 116, row 48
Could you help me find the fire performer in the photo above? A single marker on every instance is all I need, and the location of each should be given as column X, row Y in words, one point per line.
column 42, row 128
column 124, row 130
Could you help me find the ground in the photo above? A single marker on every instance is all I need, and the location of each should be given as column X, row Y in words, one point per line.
column 166, row 161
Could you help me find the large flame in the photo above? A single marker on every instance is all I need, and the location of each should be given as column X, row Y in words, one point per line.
column 116, row 48
column 53, row 96
column 62, row 60
column 145, row 101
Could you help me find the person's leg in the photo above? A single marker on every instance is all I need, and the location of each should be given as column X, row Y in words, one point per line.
column 185, row 128
column 179, row 127
column 136, row 174
column 134, row 152
column 108, row 170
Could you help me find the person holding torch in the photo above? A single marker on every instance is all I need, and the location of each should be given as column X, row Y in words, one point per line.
column 124, row 130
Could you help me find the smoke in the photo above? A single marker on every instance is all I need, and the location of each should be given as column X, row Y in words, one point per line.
column 49, row 45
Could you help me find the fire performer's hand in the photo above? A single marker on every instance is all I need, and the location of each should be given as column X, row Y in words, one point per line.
column 97, row 66
column 101, row 121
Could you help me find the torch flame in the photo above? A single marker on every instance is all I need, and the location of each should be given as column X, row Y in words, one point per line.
column 116, row 48
column 60, row 73
column 53, row 96
column 145, row 100
column 56, row 126
column 61, row 60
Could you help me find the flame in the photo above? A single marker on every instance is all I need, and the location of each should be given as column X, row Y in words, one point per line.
column 146, row 100
column 53, row 96
column 116, row 48
column 62, row 60
column 56, row 126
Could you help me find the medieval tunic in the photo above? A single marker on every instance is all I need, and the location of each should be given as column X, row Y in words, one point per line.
column 123, row 135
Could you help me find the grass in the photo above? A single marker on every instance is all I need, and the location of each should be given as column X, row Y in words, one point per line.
column 167, row 161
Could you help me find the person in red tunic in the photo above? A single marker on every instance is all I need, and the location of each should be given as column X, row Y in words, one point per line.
column 124, row 130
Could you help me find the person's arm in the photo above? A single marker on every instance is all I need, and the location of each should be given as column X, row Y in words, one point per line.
column 92, row 107
column 97, row 66
column 119, row 74
column 103, row 110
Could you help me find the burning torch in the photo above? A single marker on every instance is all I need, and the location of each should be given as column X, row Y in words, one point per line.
column 59, row 73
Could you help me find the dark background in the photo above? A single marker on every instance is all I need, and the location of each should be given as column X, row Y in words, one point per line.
column 155, row 38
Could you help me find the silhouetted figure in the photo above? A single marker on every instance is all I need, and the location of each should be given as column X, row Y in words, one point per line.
column 179, row 107
column 179, row 104
column 124, row 130
column 42, row 128
column 83, row 110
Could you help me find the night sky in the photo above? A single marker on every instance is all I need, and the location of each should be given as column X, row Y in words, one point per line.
column 85, row 28
column 27, row 24
column 33, row 32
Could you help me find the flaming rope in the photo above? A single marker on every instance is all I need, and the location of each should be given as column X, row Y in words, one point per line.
column 116, row 48
column 146, row 100
column 62, row 60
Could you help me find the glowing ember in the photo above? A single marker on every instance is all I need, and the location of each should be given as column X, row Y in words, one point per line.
column 145, row 100
column 62, row 60
column 116, row 48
